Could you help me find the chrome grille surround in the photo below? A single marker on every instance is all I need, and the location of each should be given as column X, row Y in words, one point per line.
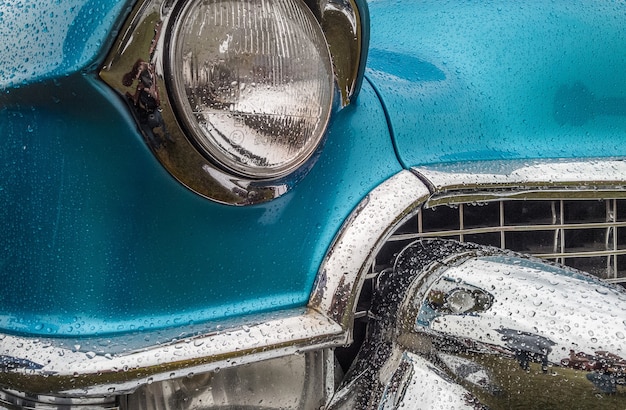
column 571, row 211
column 568, row 210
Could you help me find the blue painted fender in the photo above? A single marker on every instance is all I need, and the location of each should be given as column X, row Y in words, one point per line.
column 99, row 239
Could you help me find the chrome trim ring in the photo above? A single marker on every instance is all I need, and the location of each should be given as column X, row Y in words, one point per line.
column 142, row 42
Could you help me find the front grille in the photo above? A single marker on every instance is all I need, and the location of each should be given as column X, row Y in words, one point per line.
column 589, row 235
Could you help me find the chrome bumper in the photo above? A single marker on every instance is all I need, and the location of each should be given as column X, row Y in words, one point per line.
column 108, row 366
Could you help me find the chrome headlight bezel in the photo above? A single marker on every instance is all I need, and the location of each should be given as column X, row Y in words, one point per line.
column 171, row 132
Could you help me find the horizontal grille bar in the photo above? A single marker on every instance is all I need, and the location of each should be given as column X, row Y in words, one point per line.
column 588, row 234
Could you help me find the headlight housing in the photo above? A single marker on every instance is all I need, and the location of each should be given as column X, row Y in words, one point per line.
column 252, row 82
column 233, row 97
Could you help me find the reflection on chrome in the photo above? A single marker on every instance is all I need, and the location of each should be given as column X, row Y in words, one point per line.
column 346, row 28
column 472, row 326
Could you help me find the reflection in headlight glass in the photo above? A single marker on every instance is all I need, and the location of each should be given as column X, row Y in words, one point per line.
column 253, row 82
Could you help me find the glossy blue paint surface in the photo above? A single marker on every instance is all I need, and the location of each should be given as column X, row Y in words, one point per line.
column 44, row 39
column 488, row 80
column 98, row 238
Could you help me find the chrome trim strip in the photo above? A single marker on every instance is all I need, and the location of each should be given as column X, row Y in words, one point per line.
column 515, row 228
column 582, row 175
column 62, row 367
column 20, row 400
column 342, row 273
column 302, row 381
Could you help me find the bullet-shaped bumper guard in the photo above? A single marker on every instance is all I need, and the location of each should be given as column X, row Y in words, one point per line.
column 472, row 326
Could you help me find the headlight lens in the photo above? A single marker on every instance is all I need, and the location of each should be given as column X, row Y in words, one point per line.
column 252, row 82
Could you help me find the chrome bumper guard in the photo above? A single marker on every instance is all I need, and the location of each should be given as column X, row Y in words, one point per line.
column 478, row 327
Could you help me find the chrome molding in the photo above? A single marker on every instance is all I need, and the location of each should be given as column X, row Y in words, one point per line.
column 91, row 368
column 144, row 40
column 302, row 381
column 349, row 258
column 84, row 368
column 20, row 400
column 499, row 179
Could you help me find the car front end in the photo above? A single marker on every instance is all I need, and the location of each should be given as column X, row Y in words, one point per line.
column 312, row 204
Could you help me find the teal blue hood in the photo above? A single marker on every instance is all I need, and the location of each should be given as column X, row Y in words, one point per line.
column 465, row 81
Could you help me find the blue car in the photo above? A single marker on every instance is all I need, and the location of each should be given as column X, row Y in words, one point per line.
column 312, row 204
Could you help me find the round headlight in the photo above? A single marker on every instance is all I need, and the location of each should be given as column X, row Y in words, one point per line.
column 252, row 82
